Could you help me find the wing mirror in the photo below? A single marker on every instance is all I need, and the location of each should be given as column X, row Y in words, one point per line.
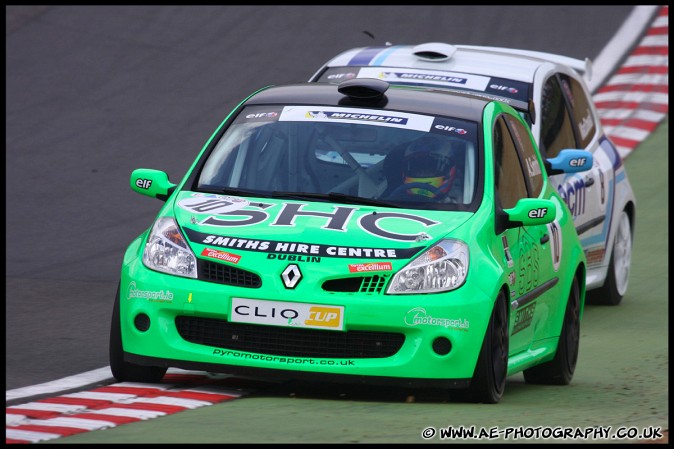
column 529, row 212
column 152, row 183
column 569, row 161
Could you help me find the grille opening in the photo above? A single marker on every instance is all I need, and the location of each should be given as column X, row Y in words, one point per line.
column 224, row 274
column 283, row 341
column 359, row 284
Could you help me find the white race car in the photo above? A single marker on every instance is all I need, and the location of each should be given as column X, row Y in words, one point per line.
column 550, row 92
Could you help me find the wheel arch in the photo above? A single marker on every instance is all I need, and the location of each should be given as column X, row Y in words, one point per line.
column 631, row 210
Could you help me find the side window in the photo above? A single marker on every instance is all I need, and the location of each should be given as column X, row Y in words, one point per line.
column 532, row 168
column 509, row 179
column 580, row 109
column 556, row 125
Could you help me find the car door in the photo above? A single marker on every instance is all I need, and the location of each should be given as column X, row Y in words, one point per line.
column 528, row 249
column 568, row 121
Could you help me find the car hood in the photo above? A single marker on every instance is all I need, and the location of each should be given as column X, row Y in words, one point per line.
column 312, row 228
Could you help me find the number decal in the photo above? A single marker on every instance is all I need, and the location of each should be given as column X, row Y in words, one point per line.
column 528, row 262
column 555, row 243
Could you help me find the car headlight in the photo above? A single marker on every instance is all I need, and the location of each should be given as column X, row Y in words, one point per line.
column 441, row 268
column 166, row 250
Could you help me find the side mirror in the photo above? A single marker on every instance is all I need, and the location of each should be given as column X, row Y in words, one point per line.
column 569, row 161
column 152, row 183
column 530, row 212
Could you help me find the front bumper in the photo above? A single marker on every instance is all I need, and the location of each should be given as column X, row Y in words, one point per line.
column 431, row 339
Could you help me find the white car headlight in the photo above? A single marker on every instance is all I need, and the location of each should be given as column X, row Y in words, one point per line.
column 441, row 268
column 166, row 250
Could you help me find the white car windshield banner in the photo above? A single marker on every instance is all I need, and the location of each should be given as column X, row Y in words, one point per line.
column 395, row 75
column 356, row 116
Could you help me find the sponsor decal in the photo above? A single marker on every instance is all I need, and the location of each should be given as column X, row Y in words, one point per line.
column 523, row 318
column 324, row 317
column 221, row 255
column 538, row 213
column 334, row 221
column 354, row 115
column 372, row 266
column 577, row 162
column 442, row 79
column 445, row 126
column 533, row 167
column 207, row 203
column 282, row 359
column 573, row 193
column 143, row 183
column 595, row 256
column 506, row 251
column 529, row 263
column 428, row 77
column 585, row 125
column 418, row 316
column 499, row 87
column 259, row 114
column 263, row 115
column 287, row 314
column 150, row 295
column 340, row 76
column 555, row 243
column 294, row 258
column 309, row 249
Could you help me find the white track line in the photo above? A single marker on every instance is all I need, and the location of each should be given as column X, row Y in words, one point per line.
column 607, row 60
column 100, row 375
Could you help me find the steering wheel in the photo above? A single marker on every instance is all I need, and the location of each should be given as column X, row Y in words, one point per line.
column 398, row 191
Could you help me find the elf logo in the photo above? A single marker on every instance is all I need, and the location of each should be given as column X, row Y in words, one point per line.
column 538, row 213
column 579, row 162
column 143, row 183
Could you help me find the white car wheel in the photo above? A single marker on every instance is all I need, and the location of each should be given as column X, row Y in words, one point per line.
column 617, row 276
column 622, row 254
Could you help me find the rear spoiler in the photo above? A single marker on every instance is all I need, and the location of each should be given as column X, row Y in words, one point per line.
column 584, row 67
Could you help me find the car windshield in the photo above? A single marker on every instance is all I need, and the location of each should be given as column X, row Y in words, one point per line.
column 346, row 154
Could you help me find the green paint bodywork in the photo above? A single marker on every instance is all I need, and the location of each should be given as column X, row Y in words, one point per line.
column 460, row 315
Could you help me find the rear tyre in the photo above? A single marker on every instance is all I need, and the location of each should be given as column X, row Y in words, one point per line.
column 617, row 276
column 559, row 370
column 490, row 374
column 124, row 371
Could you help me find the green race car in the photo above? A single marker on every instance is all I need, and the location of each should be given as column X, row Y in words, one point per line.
column 362, row 233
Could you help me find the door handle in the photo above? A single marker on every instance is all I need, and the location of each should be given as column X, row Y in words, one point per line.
column 545, row 238
column 589, row 181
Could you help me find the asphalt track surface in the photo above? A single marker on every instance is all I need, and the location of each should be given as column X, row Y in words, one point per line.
column 621, row 380
column 96, row 91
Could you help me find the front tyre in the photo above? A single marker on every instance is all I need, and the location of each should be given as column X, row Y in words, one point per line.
column 124, row 371
column 559, row 370
column 617, row 276
column 490, row 374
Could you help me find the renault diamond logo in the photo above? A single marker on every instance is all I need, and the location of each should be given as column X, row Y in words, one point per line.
column 291, row 276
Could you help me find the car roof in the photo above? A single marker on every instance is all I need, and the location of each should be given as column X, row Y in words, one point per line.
column 419, row 100
column 516, row 64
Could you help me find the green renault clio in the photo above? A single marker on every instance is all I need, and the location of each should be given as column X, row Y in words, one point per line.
column 360, row 232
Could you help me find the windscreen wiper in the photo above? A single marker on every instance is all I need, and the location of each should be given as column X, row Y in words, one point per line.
column 333, row 197
column 242, row 192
